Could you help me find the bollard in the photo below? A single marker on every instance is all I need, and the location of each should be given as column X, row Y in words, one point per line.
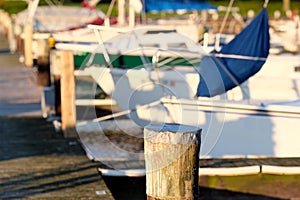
column 172, row 161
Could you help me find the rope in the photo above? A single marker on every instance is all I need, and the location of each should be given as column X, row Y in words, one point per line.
column 239, row 57
column 125, row 112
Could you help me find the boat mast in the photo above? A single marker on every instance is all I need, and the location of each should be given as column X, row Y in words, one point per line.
column 266, row 3
column 286, row 5
column 121, row 12
column 131, row 13
column 32, row 7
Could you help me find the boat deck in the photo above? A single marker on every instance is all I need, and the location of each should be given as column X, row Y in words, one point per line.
column 120, row 154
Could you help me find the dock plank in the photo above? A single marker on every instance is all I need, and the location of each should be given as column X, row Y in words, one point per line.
column 37, row 163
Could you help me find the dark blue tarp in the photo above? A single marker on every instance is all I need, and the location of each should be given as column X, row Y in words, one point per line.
column 238, row 60
column 174, row 5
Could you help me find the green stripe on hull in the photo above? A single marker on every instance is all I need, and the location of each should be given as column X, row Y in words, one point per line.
column 132, row 61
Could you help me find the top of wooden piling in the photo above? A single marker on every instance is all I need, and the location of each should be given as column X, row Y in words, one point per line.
column 173, row 127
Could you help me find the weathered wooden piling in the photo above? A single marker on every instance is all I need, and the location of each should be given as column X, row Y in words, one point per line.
column 28, row 37
column 68, row 111
column 4, row 19
column 172, row 161
column 62, row 75
column 43, row 63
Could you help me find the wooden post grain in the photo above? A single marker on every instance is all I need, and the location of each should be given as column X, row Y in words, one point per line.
column 68, row 113
column 28, row 37
column 172, row 161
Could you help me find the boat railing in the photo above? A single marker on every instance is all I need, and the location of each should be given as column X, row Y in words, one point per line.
column 168, row 55
column 100, row 29
column 97, row 31
column 106, row 28
column 191, row 56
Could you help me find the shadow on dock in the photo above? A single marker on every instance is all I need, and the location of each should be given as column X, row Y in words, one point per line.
column 47, row 181
column 38, row 163
column 28, row 137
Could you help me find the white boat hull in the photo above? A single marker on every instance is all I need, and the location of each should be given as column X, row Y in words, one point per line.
column 235, row 129
column 230, row 128
column 135, row 87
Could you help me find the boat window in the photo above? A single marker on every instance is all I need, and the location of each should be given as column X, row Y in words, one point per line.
column 150, row 45
column 160, row 31
column 177, row 46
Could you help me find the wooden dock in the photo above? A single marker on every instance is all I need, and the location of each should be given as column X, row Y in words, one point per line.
column 35, row 161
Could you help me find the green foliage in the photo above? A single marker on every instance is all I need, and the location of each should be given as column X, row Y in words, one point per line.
column 105, row 6
column 13, row 7
column 17, row 6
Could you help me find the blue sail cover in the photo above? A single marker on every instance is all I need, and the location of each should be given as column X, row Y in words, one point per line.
column 174, row 5
column 238, row 60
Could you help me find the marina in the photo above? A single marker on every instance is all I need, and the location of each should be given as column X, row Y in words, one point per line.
column 74, row 118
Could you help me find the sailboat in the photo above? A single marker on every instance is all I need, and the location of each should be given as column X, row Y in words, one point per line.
column 233, row 122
